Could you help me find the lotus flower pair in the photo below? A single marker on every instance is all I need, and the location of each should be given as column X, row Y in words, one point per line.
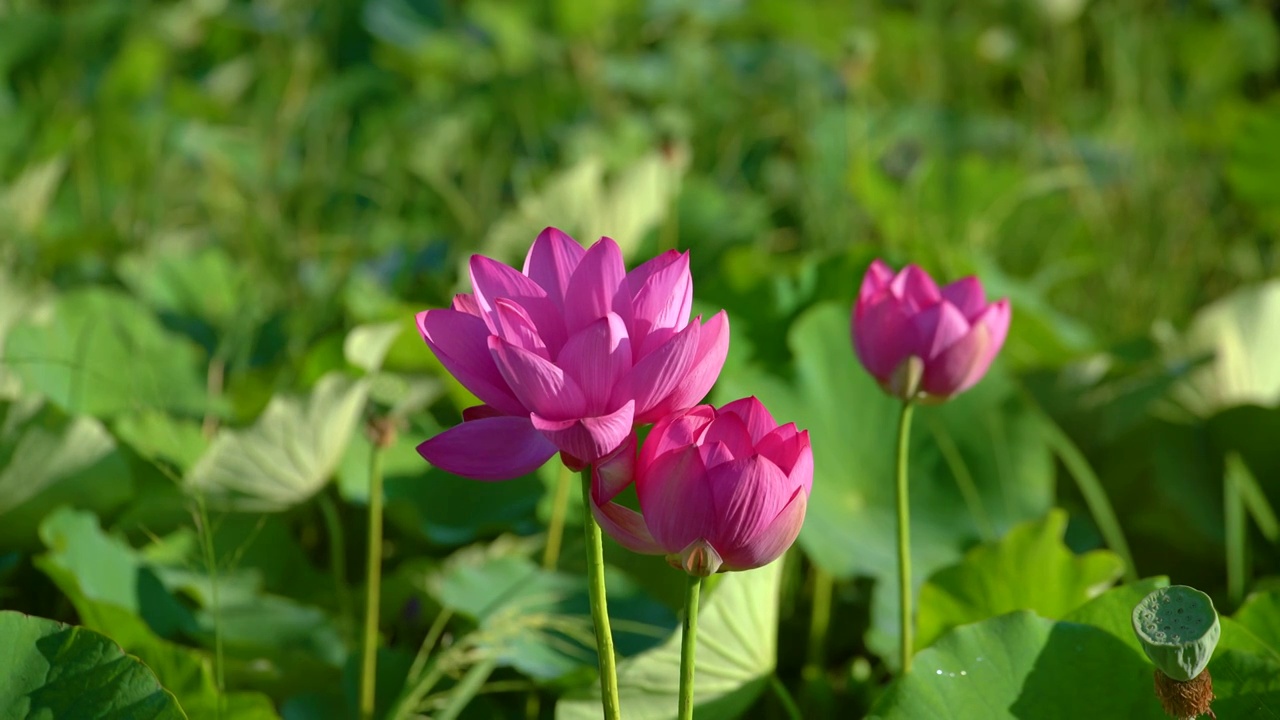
column 571, row 355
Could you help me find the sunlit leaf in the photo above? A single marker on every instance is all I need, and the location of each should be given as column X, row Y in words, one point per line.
column 50, row 669
column 1024, row 666
column 1242, row 331
column 1028, row 569
column 578, row 201
column 101, row 353
column 288, row 455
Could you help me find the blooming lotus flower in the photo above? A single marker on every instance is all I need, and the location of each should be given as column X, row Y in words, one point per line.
column 568, row 355
column 719, row 489
column 920, row 342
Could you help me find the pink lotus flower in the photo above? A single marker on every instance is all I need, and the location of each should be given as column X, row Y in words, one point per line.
column 920, row 342
column 569, row 355
column 719, row 489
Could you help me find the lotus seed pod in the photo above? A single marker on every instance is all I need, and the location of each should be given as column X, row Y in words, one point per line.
column 1178, row 629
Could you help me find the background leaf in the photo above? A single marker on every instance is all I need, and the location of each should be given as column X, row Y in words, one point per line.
column 50, row 459
column 736, row 655
column 55, row 670
column 100, row 352
column 1027, row 569
column 288, row 455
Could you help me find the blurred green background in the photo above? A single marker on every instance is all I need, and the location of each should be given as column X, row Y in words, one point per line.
column 218, row 217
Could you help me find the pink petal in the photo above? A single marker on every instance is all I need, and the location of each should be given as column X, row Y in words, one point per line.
column 726, row 438
column 953, row 371
column 658, row 373
column 597, row 288
column 753, row 412
column 589, row 439
column 676, row 431
column 748, row 494
column 773, row 541
column 676, row 500
column 598, row 358
column 499, row 448
column 915, row 289
column 466, row 302
column 551, row 261
column 540, row 386
column 938, row 328
column 802, row 472
column 883, row 337
column 492, row 280
column 967, row 295
column 460, row 341
column 996, row 317
column 661, row 294
column 645, row 270
column 875, row 282
column 657, row 337
column 783, row 447
column 613, row 473
column 516, row 327
column 713, row 347
column 984, row 343
column 626, row 526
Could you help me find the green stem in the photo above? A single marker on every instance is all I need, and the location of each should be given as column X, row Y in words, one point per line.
column 1095, row 497
column 211, row 566
column 599, row 605
column 819, row 622
column 784, row 697
column 904, row 534
column 688, row 644
column 1236, row 529
column 555, row 531
column 369, row 666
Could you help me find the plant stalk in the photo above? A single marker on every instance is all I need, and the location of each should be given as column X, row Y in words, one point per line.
column 904, row 534
column 688, row 646
column 599, row 606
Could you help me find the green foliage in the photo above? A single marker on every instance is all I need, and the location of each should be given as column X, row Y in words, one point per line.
column 101, row 353
column 56, row 670
column 1050, row 579
column 287, row 456
column 1023, row 665
column 218, row 220
column 52, row 459
column 735, row 658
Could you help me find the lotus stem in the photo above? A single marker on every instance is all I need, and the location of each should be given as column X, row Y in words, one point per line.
column 599, row 605
column 904, row 534
column 688, row 645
